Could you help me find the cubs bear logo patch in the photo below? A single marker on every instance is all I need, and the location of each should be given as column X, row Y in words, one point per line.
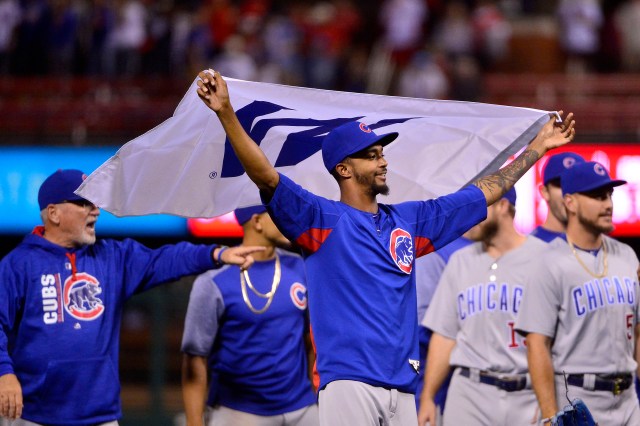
column 80, row 297
column 401, row 249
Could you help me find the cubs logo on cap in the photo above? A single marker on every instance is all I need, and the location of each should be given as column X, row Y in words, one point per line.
column 587, row 177
column 365, row 128
column 568, row 162
column 348, row 139
column 557, row 164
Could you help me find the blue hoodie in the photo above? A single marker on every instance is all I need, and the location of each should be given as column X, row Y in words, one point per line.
column 60, row 315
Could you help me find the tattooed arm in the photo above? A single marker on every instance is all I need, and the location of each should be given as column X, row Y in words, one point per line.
column 552, row 135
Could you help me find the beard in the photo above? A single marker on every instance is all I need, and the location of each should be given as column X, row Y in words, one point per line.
column 369, row 182
column 484, row 231
column 593, row 226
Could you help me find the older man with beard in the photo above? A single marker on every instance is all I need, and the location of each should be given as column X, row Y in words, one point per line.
column 62, row 294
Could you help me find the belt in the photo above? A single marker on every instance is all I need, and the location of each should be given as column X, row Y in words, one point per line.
column 511, row 383
column 614, row 383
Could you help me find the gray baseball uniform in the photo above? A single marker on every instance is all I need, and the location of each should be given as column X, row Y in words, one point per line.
column 475, row 304
column 591, row 321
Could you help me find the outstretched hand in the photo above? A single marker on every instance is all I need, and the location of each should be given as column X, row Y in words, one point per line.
column 10, row 397
column 240, row 255
column 212, row 89
column 555, row 133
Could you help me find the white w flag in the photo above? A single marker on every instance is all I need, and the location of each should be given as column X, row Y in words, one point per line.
column 185, row 166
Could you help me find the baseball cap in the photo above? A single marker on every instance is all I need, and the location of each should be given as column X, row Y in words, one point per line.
column 558, row 163
column 244, row 214
column 587, row 177
column 511, row 196
column 59, row 187
column 348, row 139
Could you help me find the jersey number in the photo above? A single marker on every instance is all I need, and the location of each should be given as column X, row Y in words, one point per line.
column 630, row 326
column 513, row 336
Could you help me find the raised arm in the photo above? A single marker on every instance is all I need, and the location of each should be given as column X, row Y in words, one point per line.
column 552, row 135
column 212, row 89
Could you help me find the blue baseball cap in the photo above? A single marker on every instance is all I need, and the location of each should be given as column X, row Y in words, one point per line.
column 244, row 214
column 511, row 196
column 349, row 138
column 587, row 177
column 557, row 164
column 59, row 187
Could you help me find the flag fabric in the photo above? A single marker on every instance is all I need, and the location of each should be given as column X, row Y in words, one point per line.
column 185, row 166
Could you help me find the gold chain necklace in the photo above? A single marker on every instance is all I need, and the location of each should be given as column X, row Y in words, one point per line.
column 604, row 258
column 245, row 282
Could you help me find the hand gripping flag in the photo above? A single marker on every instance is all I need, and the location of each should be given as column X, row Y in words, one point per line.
column 185, row 166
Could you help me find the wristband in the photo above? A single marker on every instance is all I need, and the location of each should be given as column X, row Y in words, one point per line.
column 546, row 421
column 218, row 258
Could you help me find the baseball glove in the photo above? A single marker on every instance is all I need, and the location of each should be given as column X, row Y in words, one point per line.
column 576, row 414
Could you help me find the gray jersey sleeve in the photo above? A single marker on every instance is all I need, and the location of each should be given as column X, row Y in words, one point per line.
column 206, row 307
column 441, row 317
column 428, row 272
column 540, row 304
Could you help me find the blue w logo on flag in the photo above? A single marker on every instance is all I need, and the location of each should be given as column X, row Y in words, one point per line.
column 297, row 146
column 186, row 166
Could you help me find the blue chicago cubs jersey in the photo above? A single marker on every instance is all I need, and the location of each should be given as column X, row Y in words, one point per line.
column 60, row 315
column 362, row 300
column 258, row 362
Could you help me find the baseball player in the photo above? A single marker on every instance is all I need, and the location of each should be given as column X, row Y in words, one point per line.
column 428, row 273
column 249, row 327
column 61, row 300
column 556, row 222
column 580, row 312
column 472, row 317
column 359, row 257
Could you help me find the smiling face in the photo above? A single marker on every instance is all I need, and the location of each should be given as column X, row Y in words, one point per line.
column 72, row 223
column 369, row 169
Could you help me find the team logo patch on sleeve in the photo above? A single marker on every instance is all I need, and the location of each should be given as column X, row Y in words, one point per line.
column 81, row 299
column 401, row 249
column 298, row 294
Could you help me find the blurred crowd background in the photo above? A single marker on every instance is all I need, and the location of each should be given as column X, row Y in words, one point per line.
column 80, row 73
column 424, row 48
column 68, row 64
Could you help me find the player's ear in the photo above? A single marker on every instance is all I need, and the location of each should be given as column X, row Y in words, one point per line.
column 544, row 192
column 255, row 222
column 53, row 214
column 501, row 206
column 570, row 203
column 343, row 170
